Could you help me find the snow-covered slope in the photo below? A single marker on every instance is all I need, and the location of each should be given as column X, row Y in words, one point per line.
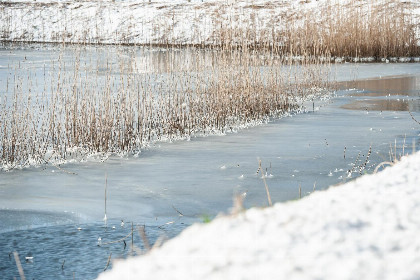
column 141, row 22
column 147, row 22
column 365, row 229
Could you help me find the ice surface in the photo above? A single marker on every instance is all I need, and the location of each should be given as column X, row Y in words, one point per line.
column 365, row 229
column 301, row 150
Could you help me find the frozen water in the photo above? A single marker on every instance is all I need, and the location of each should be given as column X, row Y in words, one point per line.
column 42, row 208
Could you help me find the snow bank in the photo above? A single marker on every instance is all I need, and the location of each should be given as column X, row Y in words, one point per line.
column 144, row 21
column 138, row 21
column 365, row 229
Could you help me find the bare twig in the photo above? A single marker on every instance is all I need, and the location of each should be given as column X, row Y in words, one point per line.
column 382, row 164
column 413, row 117
column 159, row 242
column 143, row 236
column 119, row 240
column 19, row 266
column 265, row 183
column 300, row 191
column 180, row 214
column 132, row 237
column 106, row 186
column 238, row 203
column 107, row 263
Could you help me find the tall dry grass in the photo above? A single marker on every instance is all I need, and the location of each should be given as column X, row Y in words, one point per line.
column 377, row 28
column 116, row 103
column 353, row 28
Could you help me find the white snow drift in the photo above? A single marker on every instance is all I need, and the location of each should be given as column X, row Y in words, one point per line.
column 365, row 229
column 147, row 21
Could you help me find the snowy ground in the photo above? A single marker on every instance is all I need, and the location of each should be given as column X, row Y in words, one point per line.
column 146, row 22
column 365, row 229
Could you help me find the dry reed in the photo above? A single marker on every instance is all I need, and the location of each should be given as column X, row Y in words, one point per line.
column 353, row 29
column 265, row 183
column 378, row 29
column 118, row 105
column 19, row 266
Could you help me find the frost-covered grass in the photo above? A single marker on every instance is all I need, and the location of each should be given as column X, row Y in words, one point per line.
column 81, row 110
column 365, row 229
column 81, row 113
column 342, row 28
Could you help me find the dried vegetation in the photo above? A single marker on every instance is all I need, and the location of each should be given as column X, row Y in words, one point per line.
column 121, row 99
column 118, row 102
column 353, row 28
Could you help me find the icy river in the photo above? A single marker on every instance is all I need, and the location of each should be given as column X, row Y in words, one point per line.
column 53, row 218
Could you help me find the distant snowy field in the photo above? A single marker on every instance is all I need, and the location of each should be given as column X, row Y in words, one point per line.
column 365, row 229
column 144, row 22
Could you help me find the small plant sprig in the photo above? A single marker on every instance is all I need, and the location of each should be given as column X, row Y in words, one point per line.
column 260, row 170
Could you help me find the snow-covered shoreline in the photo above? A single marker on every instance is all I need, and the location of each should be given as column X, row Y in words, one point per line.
column 365, row 229
column 128, row 22
column 143, row 22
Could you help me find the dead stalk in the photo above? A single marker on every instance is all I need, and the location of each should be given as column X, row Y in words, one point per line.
column 265, row 183
column 107, row 263
column 19, row 266
column 143, row 236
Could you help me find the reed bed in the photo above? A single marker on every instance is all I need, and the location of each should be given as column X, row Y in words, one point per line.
column 116, row 103
column 349, row 29
column 356, row 29
column 377, row 29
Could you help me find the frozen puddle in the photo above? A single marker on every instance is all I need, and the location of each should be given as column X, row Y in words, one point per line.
column 386, row 94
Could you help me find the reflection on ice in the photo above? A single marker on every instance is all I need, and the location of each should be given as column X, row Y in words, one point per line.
column 404, row 85
column 386, row 94
column 384, row 105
